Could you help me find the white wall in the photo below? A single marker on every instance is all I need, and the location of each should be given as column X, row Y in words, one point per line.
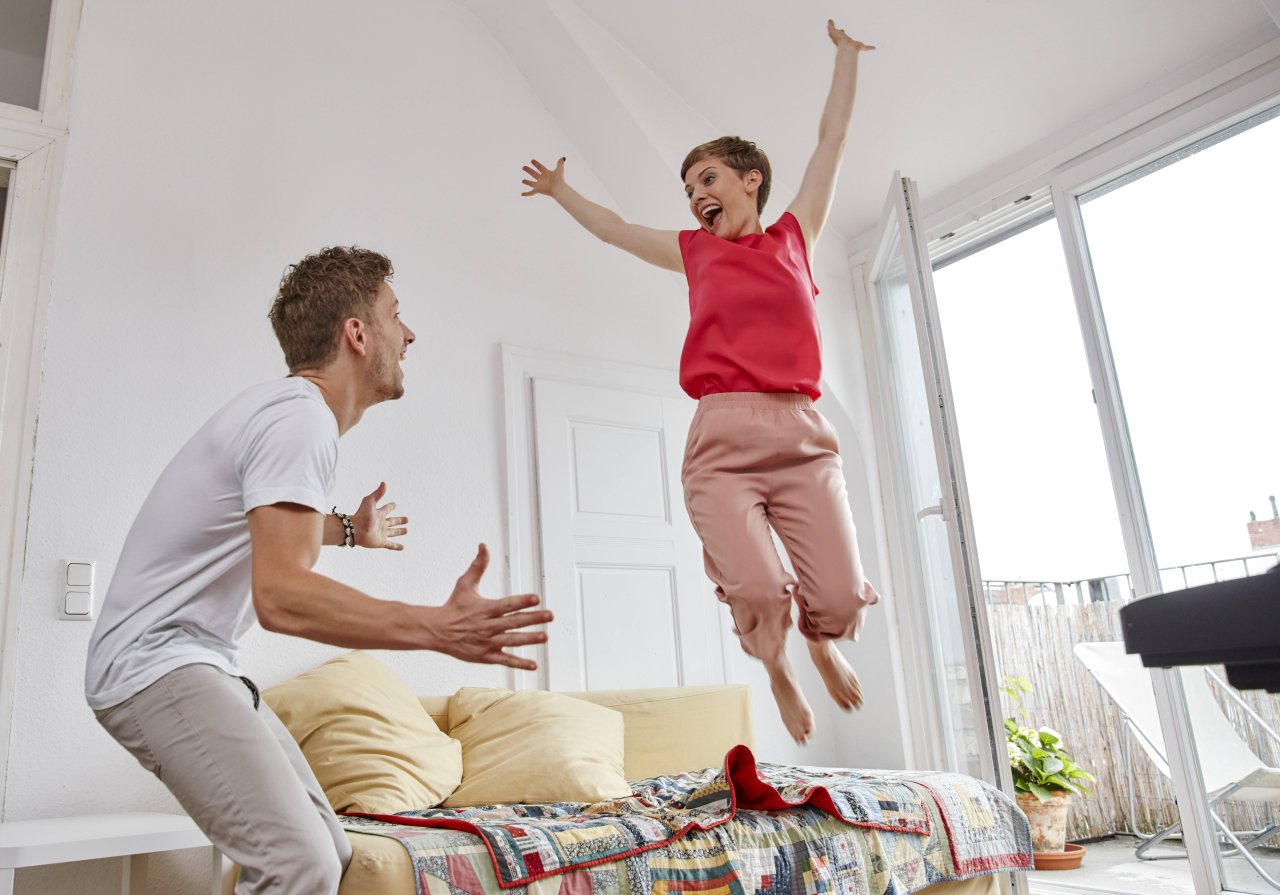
column 210, row 146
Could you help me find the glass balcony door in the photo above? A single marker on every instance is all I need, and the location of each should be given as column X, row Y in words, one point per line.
column 1117, row 413
column 945, row 608
column 1181, row 255
column 1047, row 533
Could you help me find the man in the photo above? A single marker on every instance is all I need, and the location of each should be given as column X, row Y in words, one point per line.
column 230, row 533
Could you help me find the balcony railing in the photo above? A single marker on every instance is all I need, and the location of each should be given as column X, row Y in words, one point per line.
column 1119, row 588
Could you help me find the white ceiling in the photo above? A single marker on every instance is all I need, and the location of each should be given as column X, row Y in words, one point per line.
column 955, row 86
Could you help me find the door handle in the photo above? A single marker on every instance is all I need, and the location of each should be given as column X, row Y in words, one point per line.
column 935, row 510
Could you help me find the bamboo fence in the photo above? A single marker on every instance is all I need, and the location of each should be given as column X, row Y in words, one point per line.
column 1037, row 641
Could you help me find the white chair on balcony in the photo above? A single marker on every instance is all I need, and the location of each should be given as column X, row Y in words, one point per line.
column 1231, row 770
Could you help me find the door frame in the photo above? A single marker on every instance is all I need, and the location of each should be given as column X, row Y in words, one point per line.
column 34, row 141
column 520, row 367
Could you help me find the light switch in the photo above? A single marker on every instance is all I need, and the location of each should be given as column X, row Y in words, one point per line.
column 79, row 574
column 79, row 602
column 76, row 592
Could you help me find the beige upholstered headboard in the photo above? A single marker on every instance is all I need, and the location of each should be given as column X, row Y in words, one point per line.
column 668, row 729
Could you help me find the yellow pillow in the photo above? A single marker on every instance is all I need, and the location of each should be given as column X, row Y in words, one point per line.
column 531, row 746
column 711, row 720
column 366, row 736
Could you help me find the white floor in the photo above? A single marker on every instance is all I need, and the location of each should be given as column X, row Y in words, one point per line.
column 1110, row 866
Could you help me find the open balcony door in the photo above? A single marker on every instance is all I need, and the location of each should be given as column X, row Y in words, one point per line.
column 956, row 720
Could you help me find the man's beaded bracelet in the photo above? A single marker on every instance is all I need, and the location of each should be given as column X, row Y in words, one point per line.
column 349, row 538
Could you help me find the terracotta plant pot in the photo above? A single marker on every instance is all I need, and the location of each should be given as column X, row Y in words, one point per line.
column 1048, row 820
column 1059, row 860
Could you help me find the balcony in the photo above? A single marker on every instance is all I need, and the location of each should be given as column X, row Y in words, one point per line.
column 1034, row 626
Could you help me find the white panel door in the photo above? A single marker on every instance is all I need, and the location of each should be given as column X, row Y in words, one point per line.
column 621, row 565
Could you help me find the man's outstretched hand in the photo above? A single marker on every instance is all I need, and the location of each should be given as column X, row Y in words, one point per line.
column 374, row 525
column 475, row 628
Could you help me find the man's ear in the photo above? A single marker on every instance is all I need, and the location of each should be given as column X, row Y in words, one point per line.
column 356, row 335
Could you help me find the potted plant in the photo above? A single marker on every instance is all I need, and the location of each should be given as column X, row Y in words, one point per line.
column 1046, row 778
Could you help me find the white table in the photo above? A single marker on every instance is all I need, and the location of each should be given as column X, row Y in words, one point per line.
column 132, row 836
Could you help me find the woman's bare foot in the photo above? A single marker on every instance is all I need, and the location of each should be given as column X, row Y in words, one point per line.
column 794, row 708
column 837, row 674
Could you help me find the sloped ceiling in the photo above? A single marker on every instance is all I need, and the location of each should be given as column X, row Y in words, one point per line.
column 954, row 87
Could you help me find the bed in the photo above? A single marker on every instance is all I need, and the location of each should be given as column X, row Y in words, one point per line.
column 703, row 816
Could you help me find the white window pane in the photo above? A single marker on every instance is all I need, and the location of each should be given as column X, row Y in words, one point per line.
column 24, row 27
column 1043, row 506
column 1184, row 259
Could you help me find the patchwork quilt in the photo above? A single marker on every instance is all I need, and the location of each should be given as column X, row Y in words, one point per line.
column 744, row 829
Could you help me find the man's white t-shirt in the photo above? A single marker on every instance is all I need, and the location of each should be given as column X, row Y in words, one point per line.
column 180, row 593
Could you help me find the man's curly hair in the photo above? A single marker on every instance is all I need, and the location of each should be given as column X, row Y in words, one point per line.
column 740, row 155
column 320, row 292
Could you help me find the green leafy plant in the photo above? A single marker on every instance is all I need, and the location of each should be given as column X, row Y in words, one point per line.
column 1040, row 765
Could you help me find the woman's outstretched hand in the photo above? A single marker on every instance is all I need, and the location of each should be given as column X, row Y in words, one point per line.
column 542, row 179
column 842, row 40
